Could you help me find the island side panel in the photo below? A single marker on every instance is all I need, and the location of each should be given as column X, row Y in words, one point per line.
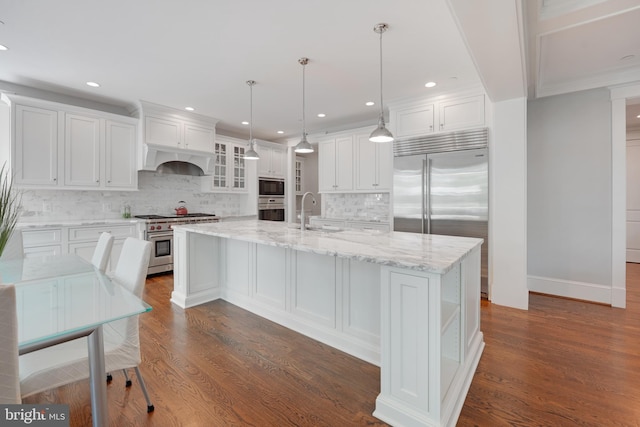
column 410, row 353
column 431, row 343
column 196, row 268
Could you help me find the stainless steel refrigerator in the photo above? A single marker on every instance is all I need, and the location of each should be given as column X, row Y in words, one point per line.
column 444, row 193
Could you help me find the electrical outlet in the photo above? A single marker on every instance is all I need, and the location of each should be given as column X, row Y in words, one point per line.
column 46, row 206
column 106, row 207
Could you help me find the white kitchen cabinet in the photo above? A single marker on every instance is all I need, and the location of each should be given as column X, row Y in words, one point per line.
column 198, row 137
column 82, row 146
column 413, row 121
column 99, row 153
column 176, row 133
column 161, row 131
column 120, row 155
column 79, row 240
column 432, row 116
column 35, row 145
column 272, row 162
column 229, row 167
column 62, row 146
column 299, row 176
column 335, row 164
column 461, row 113
column 82, row 241
column 374, row 164
column 42, row 241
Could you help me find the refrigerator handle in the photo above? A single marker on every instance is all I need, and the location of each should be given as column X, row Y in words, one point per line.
column 426, row 170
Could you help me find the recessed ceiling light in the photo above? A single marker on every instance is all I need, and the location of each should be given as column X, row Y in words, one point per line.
column 369, row 103
column 3, row 47
column 245, row 123
column 638, row 116
column 430, row 84
column 322, row 115
column 93, row 84
column 280, row 132
column 189, row 108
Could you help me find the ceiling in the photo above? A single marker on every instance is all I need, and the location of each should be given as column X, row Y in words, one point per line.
column 200, row 54
column 583, row 44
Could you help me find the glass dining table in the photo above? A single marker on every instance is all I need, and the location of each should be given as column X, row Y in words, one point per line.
column 61, row 298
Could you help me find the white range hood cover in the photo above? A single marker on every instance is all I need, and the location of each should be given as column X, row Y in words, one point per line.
column 154, row 155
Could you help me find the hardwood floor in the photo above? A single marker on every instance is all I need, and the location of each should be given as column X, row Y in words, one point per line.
column 561, row 363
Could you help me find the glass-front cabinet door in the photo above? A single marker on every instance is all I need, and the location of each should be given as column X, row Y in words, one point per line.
column 220, row 166
column 239, row 170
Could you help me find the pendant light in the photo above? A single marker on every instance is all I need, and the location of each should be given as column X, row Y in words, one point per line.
column 303, row 146
column 251, row 153
column 381, row 134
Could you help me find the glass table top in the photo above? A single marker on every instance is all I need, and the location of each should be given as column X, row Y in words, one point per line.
column 61, row 295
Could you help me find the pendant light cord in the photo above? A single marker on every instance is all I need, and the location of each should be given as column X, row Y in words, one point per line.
column 251, row 114
column 303, row 61
column 381, row 104
column 251, row 83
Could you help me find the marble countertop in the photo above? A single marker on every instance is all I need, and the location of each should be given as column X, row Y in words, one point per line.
column 75, row 222
column 350, row 218
column 429, row 253
column 83, row 222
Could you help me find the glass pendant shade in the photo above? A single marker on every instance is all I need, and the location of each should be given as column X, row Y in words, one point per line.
column 251, row 154
column 381, row 133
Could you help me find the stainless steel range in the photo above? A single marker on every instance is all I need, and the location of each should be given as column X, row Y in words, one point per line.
column 158, row 230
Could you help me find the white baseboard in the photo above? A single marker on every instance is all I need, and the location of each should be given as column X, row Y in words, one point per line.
column 571, row 289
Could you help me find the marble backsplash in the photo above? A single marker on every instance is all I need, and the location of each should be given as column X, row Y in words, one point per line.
column 363, row 206
column 157, row 194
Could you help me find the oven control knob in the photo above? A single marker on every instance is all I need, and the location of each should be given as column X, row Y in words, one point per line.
column 153, row 227
column 159, row 227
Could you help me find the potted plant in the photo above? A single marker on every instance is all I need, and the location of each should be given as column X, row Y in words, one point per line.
column 9, row 207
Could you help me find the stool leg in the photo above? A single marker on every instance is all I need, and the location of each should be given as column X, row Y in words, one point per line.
column 150, row 407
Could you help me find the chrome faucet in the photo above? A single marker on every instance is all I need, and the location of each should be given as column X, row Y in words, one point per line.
column 313, row 200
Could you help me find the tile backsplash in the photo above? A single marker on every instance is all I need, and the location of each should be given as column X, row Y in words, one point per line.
column 157, row 194
column 363, row 206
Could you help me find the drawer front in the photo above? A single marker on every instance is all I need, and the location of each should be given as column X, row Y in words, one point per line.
column 49, row 236
column 93, row 233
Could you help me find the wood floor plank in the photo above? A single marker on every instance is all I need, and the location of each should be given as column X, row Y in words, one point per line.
column 561, row 363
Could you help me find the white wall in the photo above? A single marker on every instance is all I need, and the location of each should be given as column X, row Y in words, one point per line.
column 569, row 195
column 508, row 204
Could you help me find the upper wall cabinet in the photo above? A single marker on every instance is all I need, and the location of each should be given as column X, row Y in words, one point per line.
column 374, row 164
column 444, row 115
column 175, row 129
column 272, row 162
column 62, row 146
column 34, row 142
column 335, row 164
column 230, row 169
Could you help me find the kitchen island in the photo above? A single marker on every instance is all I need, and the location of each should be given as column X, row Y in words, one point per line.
column 409, row 303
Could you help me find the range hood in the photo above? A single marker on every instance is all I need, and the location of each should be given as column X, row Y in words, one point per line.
column 164, row 159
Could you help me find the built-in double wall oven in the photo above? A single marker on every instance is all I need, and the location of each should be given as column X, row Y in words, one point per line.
column 271, row 206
